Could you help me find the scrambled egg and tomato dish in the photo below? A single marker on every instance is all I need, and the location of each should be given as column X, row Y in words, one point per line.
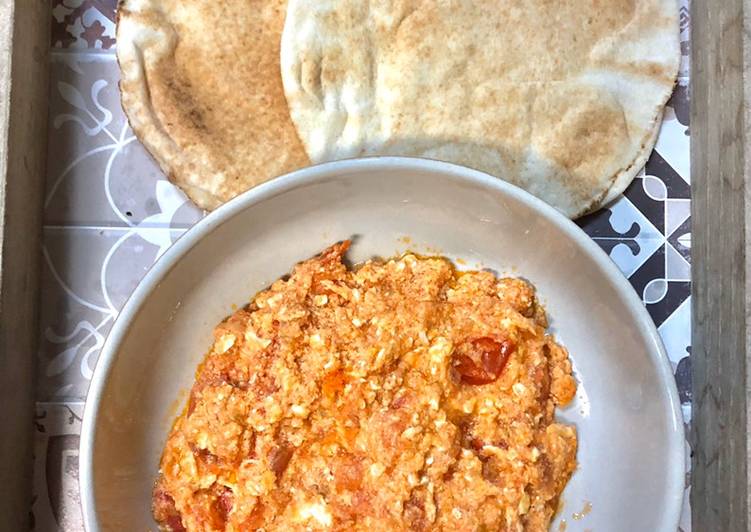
column 402, row 395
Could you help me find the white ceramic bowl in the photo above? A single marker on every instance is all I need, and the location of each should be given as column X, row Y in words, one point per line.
column 626, row 411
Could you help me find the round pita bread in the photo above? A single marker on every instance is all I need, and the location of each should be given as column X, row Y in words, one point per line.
column 202, row 90
column 559, row 98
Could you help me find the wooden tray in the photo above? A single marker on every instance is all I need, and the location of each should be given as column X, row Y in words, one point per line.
column 720, row 335
column 720, row 171
column 24, row 37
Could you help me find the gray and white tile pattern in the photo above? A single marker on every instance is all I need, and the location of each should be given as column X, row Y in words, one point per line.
column 109, row 214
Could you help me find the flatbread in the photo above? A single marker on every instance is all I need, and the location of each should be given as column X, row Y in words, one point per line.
column 624, row 179
column 559, row 98
column 202, row 90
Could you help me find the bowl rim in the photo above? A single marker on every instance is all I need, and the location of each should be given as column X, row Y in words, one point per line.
column 320, row 172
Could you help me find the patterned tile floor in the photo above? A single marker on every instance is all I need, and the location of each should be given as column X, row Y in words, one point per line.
column 109, row 214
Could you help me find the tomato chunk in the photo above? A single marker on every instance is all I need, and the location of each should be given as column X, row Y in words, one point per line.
column 482, row 360
column 279, row 459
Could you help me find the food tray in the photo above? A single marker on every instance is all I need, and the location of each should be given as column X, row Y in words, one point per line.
column 109, row 213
